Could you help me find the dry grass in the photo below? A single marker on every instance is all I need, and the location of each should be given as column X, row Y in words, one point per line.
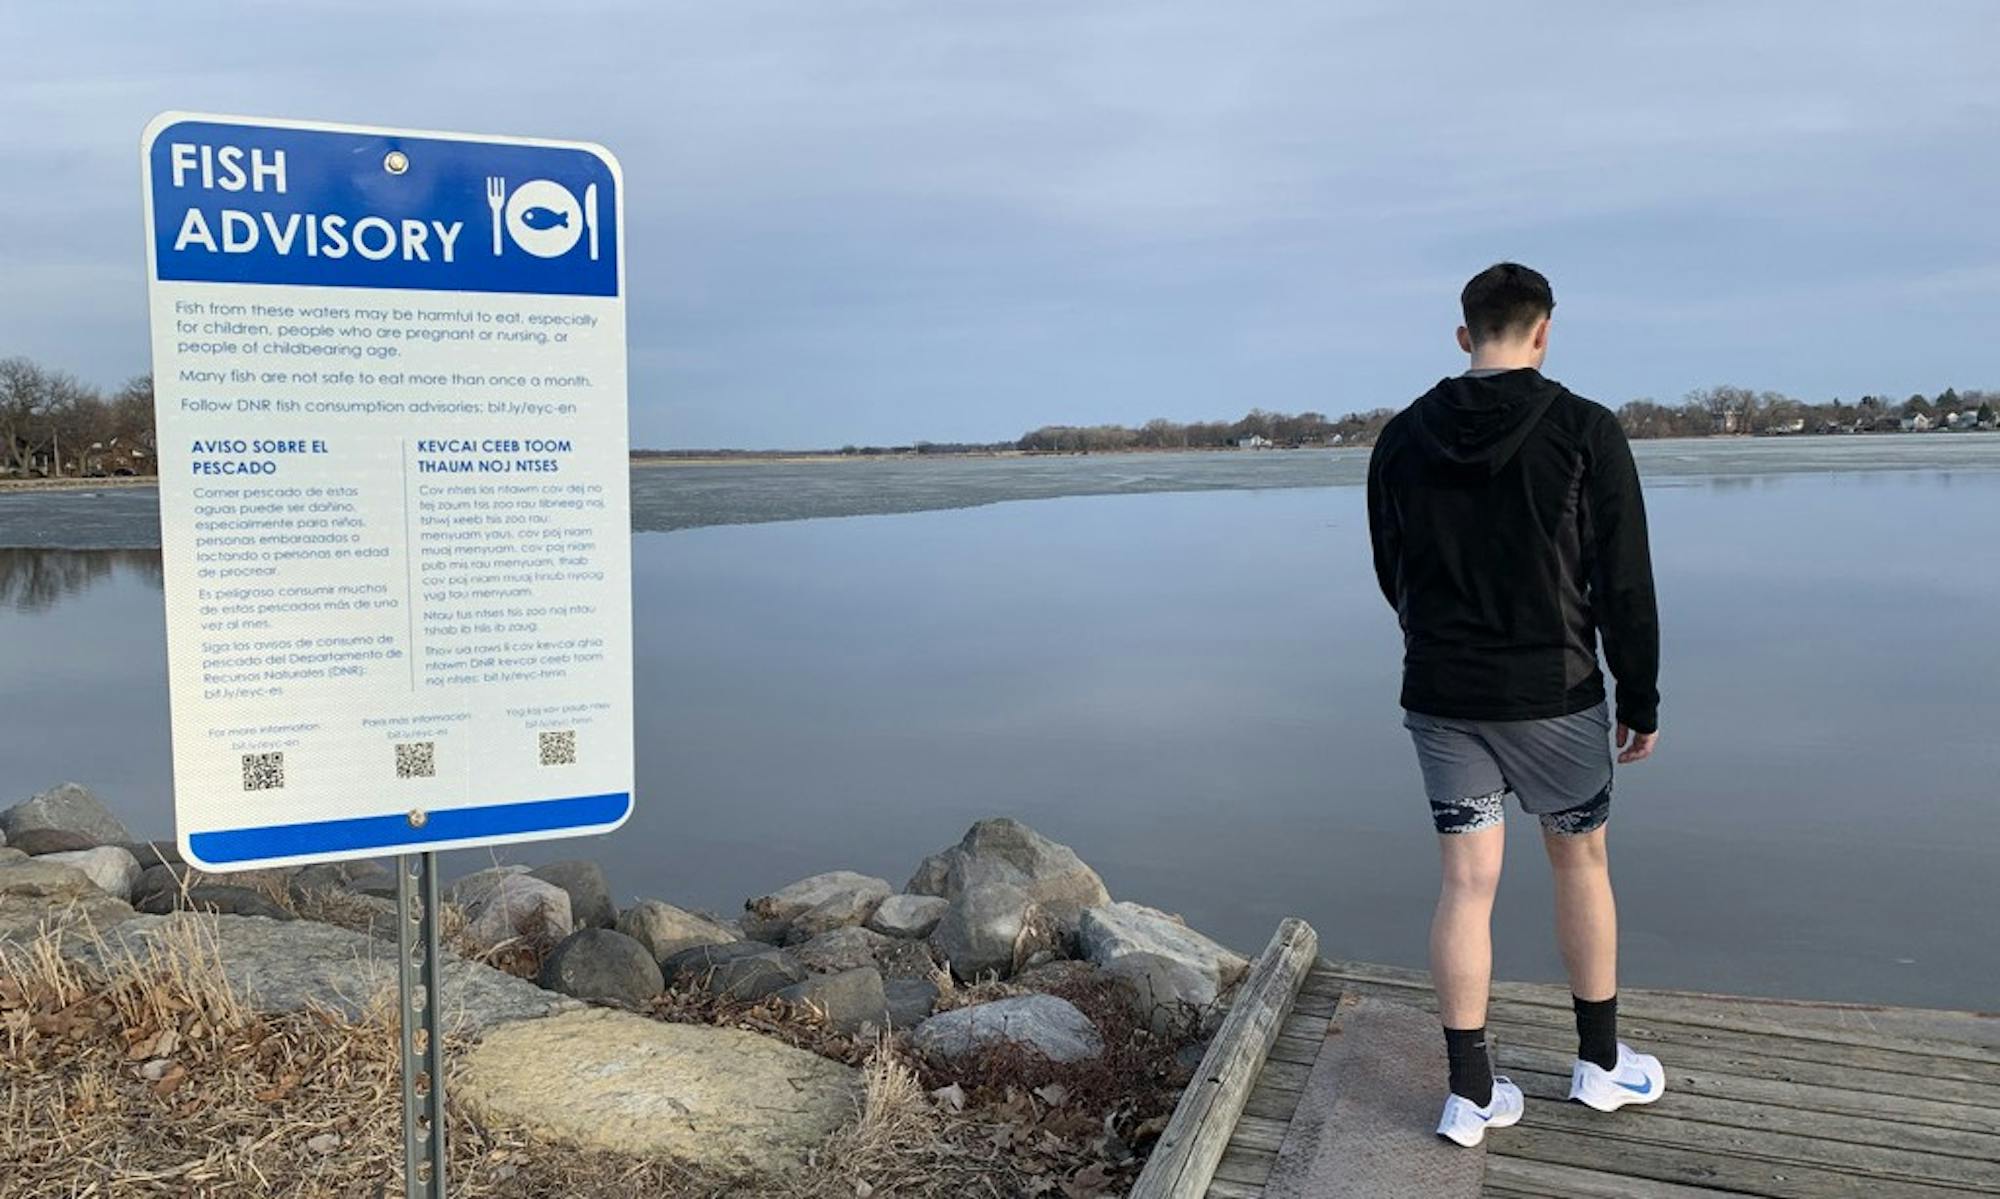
column 159, row 1080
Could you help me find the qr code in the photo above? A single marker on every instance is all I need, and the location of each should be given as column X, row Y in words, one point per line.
column 263, row 772
column 559, row 749
column 416, row 760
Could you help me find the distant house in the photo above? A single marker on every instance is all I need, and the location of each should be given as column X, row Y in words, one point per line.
column 1256, row 441
column 1917, row 424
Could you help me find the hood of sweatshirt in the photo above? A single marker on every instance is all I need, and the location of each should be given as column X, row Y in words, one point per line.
column 1480, row 422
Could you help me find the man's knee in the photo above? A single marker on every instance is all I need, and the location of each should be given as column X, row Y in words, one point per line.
column 1467, row 876
column 1578, row 852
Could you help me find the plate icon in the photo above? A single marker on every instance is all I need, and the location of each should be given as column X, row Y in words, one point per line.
column 544, row 218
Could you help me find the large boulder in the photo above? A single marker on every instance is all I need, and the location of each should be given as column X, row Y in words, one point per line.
column 599, row 964
column 40, row 842
column 910, row 1000
column 155, row 853
column 1006, row 850
column 740, row 970
column 114, row 870
column 666, row 930
column 814, row 905
column 71, row 808
column 11, row 855
column 590, row 903
column 225, row 899
column 908, row 915
column 849, row 1001
column 343, row 876
column 470, row 891
column 36, row 894
column 1052, row 1027
column 715, row 1097
column 304, row 965
column 1172, row 975
column 992, row 927
column 841, row 949
column 518, row 906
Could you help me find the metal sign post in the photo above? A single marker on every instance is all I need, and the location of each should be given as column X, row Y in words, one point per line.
column 419, row 978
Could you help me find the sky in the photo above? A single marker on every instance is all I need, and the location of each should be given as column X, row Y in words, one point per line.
column 878, row 222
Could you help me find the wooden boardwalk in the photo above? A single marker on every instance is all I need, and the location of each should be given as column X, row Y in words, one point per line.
column 1765, row 1098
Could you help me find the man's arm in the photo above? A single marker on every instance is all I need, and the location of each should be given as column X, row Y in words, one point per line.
column 1621, row 586
column 1383, row 532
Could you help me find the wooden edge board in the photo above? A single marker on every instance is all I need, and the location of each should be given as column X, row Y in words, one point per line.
column 1183, row 1162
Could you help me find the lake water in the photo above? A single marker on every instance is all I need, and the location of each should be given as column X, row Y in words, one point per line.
column 1179, row 665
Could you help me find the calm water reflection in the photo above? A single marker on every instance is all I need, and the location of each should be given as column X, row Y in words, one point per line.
column 1196, row 690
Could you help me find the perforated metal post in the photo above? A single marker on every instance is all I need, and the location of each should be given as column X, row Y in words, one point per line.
column 422, row 1032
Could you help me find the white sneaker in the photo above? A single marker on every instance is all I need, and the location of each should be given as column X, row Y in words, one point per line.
column 1465, row 1122
column 1638, row 1079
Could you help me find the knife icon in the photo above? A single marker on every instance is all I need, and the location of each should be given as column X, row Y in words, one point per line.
column 590, row 217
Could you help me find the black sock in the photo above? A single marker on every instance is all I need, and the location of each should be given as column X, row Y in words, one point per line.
column 1471, row 1068
column 1597, row 1031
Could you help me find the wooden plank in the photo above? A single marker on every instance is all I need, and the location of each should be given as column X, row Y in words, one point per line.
column 1970, row 1036
column 1507, row 1177
column 1640, row 1030
column 1363, row 1129
column 1258, row 1132
column 1301, row 1024
column 1190, row 1151
column 1779, row 1096
column 1873, row 1147
column 1681, row 1058
column 1700, row 1166
column 1224, row 1189
column 1297, row 1050
column 1268, row 1099
column 1245, row 1165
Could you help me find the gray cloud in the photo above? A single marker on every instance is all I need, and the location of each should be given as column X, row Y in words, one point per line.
column 884, row 221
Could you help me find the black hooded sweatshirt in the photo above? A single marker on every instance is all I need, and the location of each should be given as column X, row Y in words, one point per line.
column 1509, row 532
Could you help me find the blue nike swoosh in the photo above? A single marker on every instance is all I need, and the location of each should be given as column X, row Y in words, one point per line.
column 1644, row 1088
column 1482, row 1119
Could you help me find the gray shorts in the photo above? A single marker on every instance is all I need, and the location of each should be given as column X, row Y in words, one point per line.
column 1559, row 769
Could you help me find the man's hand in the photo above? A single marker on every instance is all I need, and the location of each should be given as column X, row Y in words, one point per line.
column 1634, row 747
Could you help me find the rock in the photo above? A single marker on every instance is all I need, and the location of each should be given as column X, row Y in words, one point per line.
column 991, row 927
column 906, row 959
column 713, row 1097
column 1170, row 972
column 221, row 898
column 666, row 930
column 590, row 903
column 933, row 873
column 910, row 1000
column 841, row 949
column 908, row 915
column 71, row 808
column 343, row 876
column 599, row 964
column 324, row 1143
column 37, row 894
column 38, row 842
column 849, row 1000
column 741, row 970
column 114, row 871
column 154, row 853
column 467, row 892
column 156, row 879
column 815, row 905
column 518, row 906
column 1049, row 1026
column 288, row 967
column 11, row 855
column 1007, row 850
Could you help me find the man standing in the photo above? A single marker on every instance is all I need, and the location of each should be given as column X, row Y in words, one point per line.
column 1509, row 533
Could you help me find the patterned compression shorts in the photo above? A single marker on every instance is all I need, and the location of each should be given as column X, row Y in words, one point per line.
column 1559, row 769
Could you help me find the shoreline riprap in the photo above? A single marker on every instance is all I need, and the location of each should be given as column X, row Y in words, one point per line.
column 1000, row 1025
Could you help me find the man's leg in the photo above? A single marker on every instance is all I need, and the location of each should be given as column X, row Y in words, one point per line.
column 1586, row 912
column 1462, row 951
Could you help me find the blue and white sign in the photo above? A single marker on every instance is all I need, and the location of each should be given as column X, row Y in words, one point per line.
column 389, row 369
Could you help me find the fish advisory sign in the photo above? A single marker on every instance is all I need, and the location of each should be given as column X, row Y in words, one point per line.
column 389, row 370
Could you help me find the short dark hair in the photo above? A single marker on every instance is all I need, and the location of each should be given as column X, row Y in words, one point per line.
column 1505, row 298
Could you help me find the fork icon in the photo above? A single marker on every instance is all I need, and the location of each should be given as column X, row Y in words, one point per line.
column 496, row 195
